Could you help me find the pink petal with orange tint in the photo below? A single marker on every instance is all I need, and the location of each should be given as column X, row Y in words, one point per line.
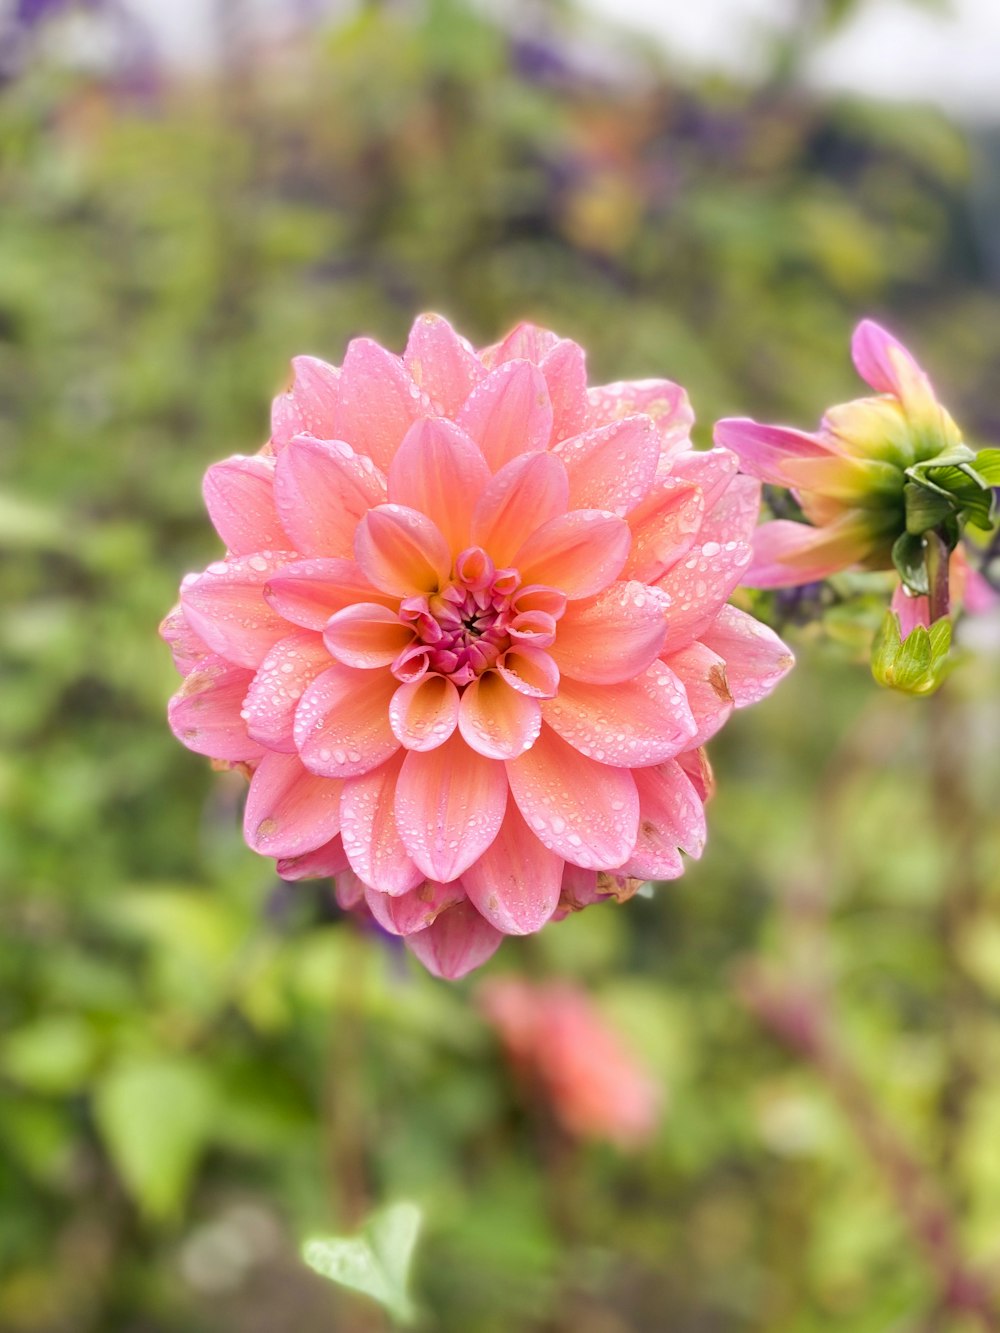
column 309, row 592
column 378, row 403
column 509, row 413
column 611, row 467
column 239, row 496
column 579, row 553
column 281, row 680
column 515, row 884
column 366, row 635
column 709, row 469
column 529, row 670
column 458, row 941
column 323, row 863
column 734, row 515
column 671, row 817
column 401, row 551
column 703, row 675
column 699, row 586
column 414, row 910
column 186, row 648
column 612, row 636
column 579, row 809
column 440, row 472
column 322, row 489
column 423, row 713
column 449, row 807
column 309, row 406
column 527, row 492
column 496, row 720
column 441, row 363
column 368, row 828
column 786, row 554
column 664, row 527
column 565, row 369
column 205, row 713
column 664, row 401
column 290, row 811
column 342, row 722
column 638, row 722
column 225, row 607
column 756, row 659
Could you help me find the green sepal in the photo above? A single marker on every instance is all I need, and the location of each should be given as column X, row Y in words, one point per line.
column 987, row 465
column 916, row 664
column 951, row 482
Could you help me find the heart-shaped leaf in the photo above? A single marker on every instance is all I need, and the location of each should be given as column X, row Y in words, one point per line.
column 376, row 1261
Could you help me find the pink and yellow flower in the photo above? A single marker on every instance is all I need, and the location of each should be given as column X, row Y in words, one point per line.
column 561, row 1047
column 849, row 476
column 470, row 633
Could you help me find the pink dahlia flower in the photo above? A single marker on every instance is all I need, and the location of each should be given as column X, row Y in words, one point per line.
column 470, row 632
column 849, row 476
column 560, row 1046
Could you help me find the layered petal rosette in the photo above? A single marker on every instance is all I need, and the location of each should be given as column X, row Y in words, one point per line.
column 470, row 633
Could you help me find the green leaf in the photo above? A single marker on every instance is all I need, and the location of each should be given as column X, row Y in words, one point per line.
column 925, row 508
column 155, row 1116
column 908, row 557
column 53, row 1055
column 987, row 464
column 377, row 1261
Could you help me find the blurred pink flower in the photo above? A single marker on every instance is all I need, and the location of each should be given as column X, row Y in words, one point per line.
column 559, row 1044
column 849, row 475
column 470, row 633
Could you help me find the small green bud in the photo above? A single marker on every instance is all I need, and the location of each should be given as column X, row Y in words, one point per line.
column 916, row 664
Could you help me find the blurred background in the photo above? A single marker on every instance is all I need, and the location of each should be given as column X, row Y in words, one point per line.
column 200, row 1066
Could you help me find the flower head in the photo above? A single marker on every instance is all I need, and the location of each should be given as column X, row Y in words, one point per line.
column 859, row 478
column 470, row 633
column 560, row 1046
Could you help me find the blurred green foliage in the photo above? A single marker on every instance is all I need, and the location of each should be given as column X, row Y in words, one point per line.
column 199, row 1066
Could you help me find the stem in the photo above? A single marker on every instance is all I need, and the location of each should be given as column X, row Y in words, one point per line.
column 936, row 562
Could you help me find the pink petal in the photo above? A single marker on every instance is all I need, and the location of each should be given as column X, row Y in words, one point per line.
column 579, row 889
column 565, row 371
column 342, row 722
column 225, row 607
column 379, row 402
column 529, row 670
column 496, row 720
column 309, row 592
column 579, row 553
column 664, row 527
column 449, row 807
column 525, row 342
column 699, row 585
column 703, row 675
column 612, row 636
column 509, row 413
column 366, row 635
column 440, row 472
column 281, row 680
column 239, row 496
column 323, row 863
column 186, row 648
column 696, row 766
column 912, row 611
column 755, row 657
column 579, row 809
column 401, row 551
column 442, row 364
column 414, row 910
column 709, row 469
column 458, row 941
column 613, row 466
column 884, row 363
column 664, row 401
column 763, row 450
column 322, row 489
column 205, row 715
column 515, row 884
column 368, row 827
column 527, row 492
column 671, row 816
column 424, row 712
column 637, row 722
column 786, row 554
column 309, row 406
column 734, row 515
column 290, row 811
